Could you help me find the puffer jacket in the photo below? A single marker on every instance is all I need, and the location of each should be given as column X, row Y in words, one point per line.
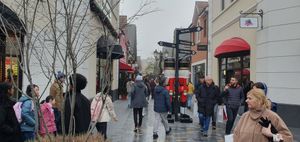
column 161, row 99
column 108, row 111
column 28, row 121
column 49, row 119
column 139, row 93
column 207, row 97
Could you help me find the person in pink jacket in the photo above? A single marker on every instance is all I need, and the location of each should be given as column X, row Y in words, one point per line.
column 49, row 118
column 102, row 110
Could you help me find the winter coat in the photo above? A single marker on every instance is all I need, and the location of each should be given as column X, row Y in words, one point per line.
column 207, row 97
column 139, row 93
column 161, row 100
column 28, row 120
column 249, row 130
column 56, row 90
column 49, row 119
column 108, row 111
column 82, row 113
column 234, row 96
column 9, row 125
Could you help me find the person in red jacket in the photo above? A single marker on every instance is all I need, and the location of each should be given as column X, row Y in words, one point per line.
column 48, row 116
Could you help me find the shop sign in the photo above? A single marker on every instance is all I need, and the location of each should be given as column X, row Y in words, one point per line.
column 248, row 22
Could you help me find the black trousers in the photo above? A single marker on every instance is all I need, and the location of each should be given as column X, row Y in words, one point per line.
column 138, row 112
column 231, row 114
column 102, row 127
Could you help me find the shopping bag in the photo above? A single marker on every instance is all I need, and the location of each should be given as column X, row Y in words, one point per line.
column 195, row 110
column 225, row 118
column 220, row 114
column 229, row 138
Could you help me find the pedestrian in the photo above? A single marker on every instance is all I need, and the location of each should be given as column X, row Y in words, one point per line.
column 56, row 91
column 48, row 117
column 264, row 87
column 234, row 97
column 190, row 94
column 9, row 125
column 162, row 106
column 102, row 110
column 82, row 112
column 206, row 97
column 260, row 124
column 152, row 86
column 218, row 101
column 247, row 86
column 129, row 87
column 138, row 102
column 27, row 112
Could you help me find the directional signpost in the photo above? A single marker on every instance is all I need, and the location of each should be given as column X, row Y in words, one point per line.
column 179, row 51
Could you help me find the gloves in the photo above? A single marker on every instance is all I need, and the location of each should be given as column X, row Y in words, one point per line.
column 265, row 123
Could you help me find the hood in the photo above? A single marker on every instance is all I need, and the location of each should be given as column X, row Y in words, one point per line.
column 23, row 98
column 140, row 84
column 159, row 89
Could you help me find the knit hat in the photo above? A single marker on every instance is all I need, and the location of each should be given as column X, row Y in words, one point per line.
column 60, row 75
column 262, row 86
column 139, row 78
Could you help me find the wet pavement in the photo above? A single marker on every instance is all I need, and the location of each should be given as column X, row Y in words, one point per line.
column 122, row 130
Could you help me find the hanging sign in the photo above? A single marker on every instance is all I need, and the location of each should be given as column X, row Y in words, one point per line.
column 248, row 22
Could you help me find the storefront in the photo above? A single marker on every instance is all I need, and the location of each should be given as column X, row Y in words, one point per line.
column 11, row 37
column 234, row 60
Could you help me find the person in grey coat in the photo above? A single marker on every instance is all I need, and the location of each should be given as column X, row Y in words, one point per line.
column 138, row 101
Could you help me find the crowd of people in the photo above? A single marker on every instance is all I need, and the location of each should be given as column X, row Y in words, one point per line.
column 259, row 121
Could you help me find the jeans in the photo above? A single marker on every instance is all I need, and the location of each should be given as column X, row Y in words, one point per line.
column 189, row 101
column 28, row 136
column 204, row 121
column 101, row 128
column 231, row 114
column 160, row 118
column 136, row 112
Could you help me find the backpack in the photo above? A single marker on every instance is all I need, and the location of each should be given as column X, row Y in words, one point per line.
column 18, row 110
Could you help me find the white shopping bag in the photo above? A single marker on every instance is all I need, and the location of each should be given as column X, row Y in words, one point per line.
column 195, row 109
column 220, row 114
column 229, row 138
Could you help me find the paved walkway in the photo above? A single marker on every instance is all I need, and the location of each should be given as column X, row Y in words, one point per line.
column 122, row 131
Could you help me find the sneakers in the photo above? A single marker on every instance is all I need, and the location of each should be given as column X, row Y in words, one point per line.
column 135, row 130
column 205, row 134
column 155, row 136
column 169, row 131
column 214, row 127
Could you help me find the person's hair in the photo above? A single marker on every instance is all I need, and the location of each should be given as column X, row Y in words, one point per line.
column 262, row 86
column 81, row 81
column 4, row 87
column 49, row 98
column 261, row 98
column 29, row 91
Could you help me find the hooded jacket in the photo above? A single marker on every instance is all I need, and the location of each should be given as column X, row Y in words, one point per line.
column 9, row 125
column 139, row 93
column 49, row 119
column 28, row 120
column 161, row 100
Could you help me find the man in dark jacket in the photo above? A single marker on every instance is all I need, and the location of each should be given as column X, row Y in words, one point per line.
column 206, row 96
column 234, row 97
column 138, row 101
column 162, row 106
column 82, row 112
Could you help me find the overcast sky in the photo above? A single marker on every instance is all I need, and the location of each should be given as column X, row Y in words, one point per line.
column 158, row 26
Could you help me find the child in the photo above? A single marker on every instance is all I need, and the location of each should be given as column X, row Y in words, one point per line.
column 49, row 118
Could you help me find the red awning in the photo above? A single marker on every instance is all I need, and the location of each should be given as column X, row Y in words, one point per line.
column 125, row 67
column 232, row 47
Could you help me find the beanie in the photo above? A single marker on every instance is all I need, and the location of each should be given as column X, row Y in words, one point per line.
column 60, row 75
column 139, row 78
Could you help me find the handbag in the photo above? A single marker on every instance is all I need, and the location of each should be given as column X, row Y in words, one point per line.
column 229, row 138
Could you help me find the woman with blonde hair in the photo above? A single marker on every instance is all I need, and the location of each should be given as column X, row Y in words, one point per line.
column 260, row 124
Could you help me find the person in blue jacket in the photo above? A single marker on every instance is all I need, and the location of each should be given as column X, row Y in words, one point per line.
column 28, row 120
column 162, row 106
